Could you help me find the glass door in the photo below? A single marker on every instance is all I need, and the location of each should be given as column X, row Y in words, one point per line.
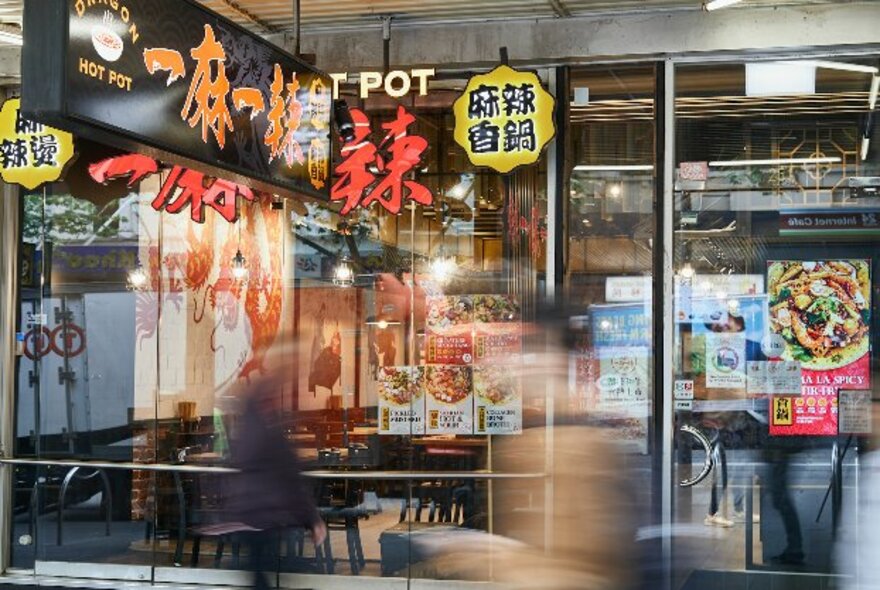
column 776, row 256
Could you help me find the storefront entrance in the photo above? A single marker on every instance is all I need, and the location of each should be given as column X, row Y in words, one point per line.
column 713, row 230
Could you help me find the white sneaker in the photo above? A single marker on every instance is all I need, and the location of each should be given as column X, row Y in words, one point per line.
column 740, row 516
column 717, row 520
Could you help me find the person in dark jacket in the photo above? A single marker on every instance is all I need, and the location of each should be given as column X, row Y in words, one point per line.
column 269, row 493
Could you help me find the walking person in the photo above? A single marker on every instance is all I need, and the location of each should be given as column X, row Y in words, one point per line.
column 269, row 494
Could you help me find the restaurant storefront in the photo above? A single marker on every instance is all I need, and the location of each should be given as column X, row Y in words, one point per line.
column 687, row 267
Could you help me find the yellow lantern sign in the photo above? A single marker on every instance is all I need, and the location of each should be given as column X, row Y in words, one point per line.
column 504, row 119
column 31, row 153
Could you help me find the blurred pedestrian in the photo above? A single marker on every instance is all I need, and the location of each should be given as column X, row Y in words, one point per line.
column 269, row 494
column 565, row 515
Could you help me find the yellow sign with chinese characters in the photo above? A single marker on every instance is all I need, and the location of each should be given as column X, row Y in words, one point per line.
column 31, row 153
column 504, row 119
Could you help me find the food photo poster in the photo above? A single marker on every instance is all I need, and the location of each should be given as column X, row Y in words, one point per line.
column 822, row 310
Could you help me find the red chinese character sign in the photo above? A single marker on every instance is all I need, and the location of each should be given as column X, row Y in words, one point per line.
column 31, row 154
column 204, row 90
column 379, row 173
column 504, row 119
column 181, row 189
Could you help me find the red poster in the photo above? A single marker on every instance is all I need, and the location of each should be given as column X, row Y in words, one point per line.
column 822, row 310
column 449, row 330
column 498, row 328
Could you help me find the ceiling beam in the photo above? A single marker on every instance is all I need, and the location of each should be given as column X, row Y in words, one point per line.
column 835, row 28
column 559, row 9
column 249, row 16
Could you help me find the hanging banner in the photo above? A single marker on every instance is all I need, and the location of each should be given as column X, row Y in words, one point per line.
column 31, row 154
column 504, row 119
column 183, row 84
column 822, row 310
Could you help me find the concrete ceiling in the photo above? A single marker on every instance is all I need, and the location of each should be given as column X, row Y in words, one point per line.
column 277, row 15
column 267, row 16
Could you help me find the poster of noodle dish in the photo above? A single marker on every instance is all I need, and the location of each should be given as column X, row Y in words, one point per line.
column 822, row 310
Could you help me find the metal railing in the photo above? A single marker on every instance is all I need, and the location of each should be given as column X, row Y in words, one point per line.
column 318, row 473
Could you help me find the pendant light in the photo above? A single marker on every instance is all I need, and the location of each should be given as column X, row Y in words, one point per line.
column 137, row 279
column 343, row 272
column 239, row 262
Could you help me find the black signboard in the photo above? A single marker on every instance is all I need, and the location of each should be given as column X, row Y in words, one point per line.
column 173, row 80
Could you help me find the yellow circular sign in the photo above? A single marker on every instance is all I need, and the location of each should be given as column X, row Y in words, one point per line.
column 504, row 119
column 31, row 153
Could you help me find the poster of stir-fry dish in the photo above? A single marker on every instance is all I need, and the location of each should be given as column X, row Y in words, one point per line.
column 401, row 393
column 449, row 399
column 498, row 328
column 449, row 330
column 822, row 309
column 497, row 399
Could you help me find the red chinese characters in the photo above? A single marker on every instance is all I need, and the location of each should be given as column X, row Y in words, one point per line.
column 185, row 188
column 181, row 189
column 370, row 173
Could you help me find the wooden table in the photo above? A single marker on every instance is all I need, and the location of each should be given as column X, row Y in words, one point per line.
column 450, row 441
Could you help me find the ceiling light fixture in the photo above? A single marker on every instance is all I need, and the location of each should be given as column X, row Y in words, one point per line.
column 442, row 269
column 774, row 162
column 343, row 273
column 836, row 65
column 382, row 321
column 239, row 262
column 239, row 266
column 872, row 95
column 716, row 4
column 614, row 168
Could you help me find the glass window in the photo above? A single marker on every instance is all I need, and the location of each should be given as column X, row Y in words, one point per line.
column 610, row 249
column 399, row 336
column 775, row 259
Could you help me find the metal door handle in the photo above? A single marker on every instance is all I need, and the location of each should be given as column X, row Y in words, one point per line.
column 708, row 463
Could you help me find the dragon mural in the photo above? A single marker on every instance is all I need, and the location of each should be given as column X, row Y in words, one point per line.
column 204, row 269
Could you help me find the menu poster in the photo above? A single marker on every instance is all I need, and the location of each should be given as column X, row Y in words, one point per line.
column 449, row 330
column 450, row 403
column 822, row 310
column 401, row 400
column 497, row 400
column 498, row 328
column 726, row 360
